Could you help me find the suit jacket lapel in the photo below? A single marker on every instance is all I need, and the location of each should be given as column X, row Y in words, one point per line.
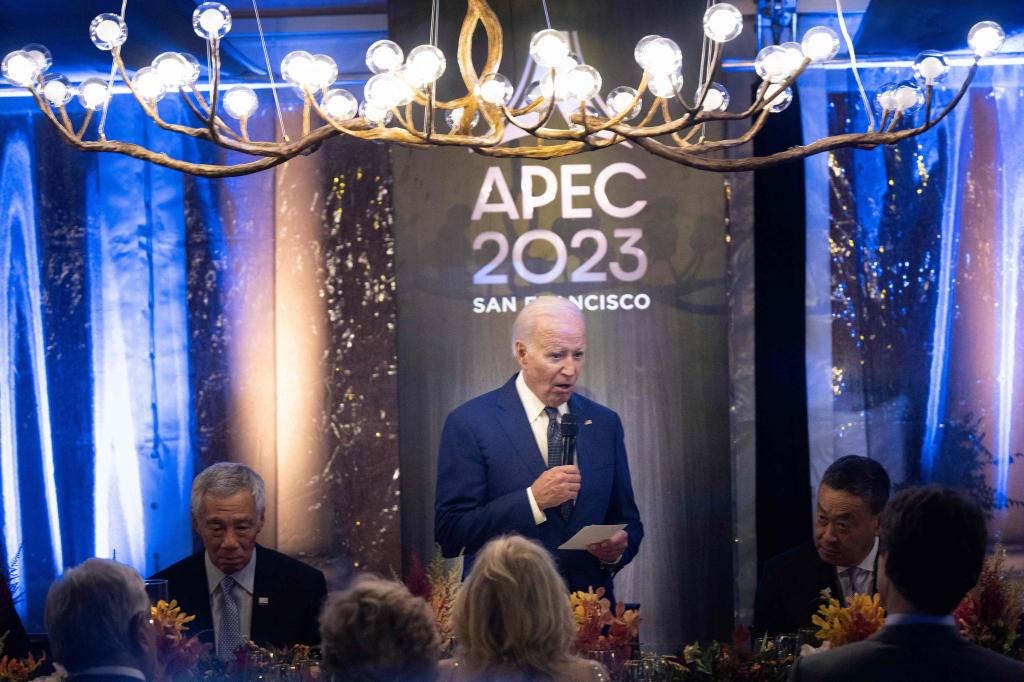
column 512, row 418
column 262, row 588
column 195, row 591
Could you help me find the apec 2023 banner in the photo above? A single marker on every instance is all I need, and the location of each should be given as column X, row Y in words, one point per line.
column 639, row 244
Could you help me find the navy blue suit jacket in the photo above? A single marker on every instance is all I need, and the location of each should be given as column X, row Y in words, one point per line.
column 489, row 457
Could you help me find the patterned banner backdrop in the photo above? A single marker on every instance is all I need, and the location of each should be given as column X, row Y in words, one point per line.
column 914, row 286
column 639, row 245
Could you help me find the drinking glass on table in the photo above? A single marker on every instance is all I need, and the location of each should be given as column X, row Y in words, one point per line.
column 605, row 657
column 157, row 590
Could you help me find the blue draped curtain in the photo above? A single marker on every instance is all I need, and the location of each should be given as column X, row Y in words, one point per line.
column 96, row 427
column 915, row 349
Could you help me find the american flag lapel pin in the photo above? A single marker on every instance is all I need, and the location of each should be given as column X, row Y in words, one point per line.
column 589, row 421
column 264, row 601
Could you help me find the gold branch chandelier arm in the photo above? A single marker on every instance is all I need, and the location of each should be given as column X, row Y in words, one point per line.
column 656, row 116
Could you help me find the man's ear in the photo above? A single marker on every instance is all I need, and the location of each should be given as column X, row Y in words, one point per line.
column 144, row 642
column 520, row 352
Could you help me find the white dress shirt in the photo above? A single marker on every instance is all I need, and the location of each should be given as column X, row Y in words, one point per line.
column 244, row 579
column 866, row 575
column 538, row 419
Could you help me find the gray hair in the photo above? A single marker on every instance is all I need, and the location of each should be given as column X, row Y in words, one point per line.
column 224, row 479
column 91, row 614
column 377, row 630
column 528, row 319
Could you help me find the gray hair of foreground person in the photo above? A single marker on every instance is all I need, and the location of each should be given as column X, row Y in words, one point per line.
column 512, row 614
column 225, row 479
column 376, row 631
column 543, row 307
column 98, row 614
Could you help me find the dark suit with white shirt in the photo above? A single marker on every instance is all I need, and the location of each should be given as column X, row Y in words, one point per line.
column 789, row 591
column 489, row 456
column 286, row 600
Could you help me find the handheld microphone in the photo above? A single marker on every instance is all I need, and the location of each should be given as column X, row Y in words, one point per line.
column 570, row 428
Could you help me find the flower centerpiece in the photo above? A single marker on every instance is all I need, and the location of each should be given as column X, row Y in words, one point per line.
column 438, row 585
column 19, row 669
column 599, row 627
column 988, row 615
column 177, row 656
column 837, row 625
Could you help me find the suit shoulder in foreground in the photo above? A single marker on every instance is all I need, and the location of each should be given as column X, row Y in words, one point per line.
column 909, row 653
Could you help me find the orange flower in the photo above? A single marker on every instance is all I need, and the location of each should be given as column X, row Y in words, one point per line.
column 840, row 625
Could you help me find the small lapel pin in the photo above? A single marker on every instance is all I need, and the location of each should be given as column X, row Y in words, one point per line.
column 589, row 421
column 264, row 601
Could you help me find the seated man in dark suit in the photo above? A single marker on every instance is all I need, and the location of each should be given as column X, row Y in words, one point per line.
column 851, row 498
column 933, row 546
column 237, row 589
column 97, row 617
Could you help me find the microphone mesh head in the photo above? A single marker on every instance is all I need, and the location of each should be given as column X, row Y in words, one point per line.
column 570, row 426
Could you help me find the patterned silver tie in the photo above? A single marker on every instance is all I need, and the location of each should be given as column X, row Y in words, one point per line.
column 230, row 635
column 555, row 454
column 554, row 438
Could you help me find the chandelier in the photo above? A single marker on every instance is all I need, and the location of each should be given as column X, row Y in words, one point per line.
column 400, row 105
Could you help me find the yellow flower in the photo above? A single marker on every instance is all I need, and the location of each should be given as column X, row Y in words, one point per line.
column 860, row 619
column 170, row 616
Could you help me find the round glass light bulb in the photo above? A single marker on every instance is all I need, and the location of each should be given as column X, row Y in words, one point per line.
column 178, row 69
column 424, row 65
column 722, row 22
column 773, row 63
column 666, row 86
column 93, row 94
column 340, row 104
column 211, row 20
column 40, row 54
column 583, row 82
column 19, row 68
column 931, row 67
column 549, row 48
column 794, row 57
column 494, row 89
column 324, row 72
column 108, row 31
column 820, row 44
column 387, row 90
column 555, row 83
column 454, row 117
column 716, row 99
column 986, row 38
column 57, row 89
column 782, row 101
column 384, row 56
column 240, row 102
column 620, row 99
column 297, row 68
column 908, row 97
column 658, row 56
column 377, row 115
column 885, row 97
column 149, row 84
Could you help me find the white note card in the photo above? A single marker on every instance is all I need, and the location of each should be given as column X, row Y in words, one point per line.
column 590, row 535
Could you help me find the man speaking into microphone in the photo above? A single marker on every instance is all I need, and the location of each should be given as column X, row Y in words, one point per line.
column 534, row 458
